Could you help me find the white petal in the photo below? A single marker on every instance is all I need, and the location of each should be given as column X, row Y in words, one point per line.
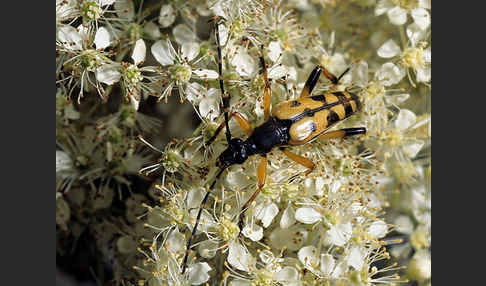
column 426, row 4
column 389, row 74
column 223, row 34
column 198, row 273
column 274, row 50
column 253, row 231
column 286, row 274
column 195, row 197
column 340, row 234
column 360, row 74
column 339, row 270
column 397, row 99
column 209, row 108
column 108, row 74
column 382, row 6
column 102, row 38
column 194, row 92
column 176, row 243
column 161, row 52
column 125, row 9
column 152, row 30
column 267, row 213
column 356, row 257
column 244, row 64
column 415, row 33
column 106, row 2
column 208, row 248
column 277, row 72
column 308, row 256
column 424, row 74
column 307, row 215
column 338, row 64
column 288, row 217
column 166, row 16
column 397, row 15
column 239, row 257
column 139, row 51
column 70, row 37
column 427, row 55
column 183, row 34
column 389, row 49
column 412, row 149
column 404, row 224
column 405, row 119
column 421, row 18
column 291, row 238
column 63, row 161
column 206, row 74
column 135, row 102
column 190, row 50
column 327, row 264
column 378, row 229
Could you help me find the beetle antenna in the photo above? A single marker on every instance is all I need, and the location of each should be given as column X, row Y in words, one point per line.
column 201, row 206
column 225, row 96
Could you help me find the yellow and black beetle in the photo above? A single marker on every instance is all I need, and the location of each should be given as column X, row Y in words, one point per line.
column 291, row 123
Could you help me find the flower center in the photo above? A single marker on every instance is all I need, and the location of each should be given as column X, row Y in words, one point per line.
column 91, row 60
column 182, row 73
column 171, row 161
column 91, row 10
column 132, row 74
column 263, row 278
column 413, row 58
column 227, row 229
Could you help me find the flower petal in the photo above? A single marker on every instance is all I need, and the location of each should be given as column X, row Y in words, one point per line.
column 389, row 49
column 139, row 52
column 70, row 38
column 160, row 51
column 288, row 217
column 286, row 274
column 102, row 38
column 125, row 9
column 340, row 234
column 405, row 119
column 307, row 215
column 239, row 257
column 183, row 34
column 190, row 50
column 378, row 229
column 166, row 16
column 277, row 72
column 108, row 74
column 383, row 6
column 176, row 243
column 421, row 17
column 152, row 30
column 206, row 74
column 274, row 50
column 389, row 74
column 308, row 256
column 412, row 149
column 356, row 257
column 198, row 273
column 267, row 213
column 397, row 15
column 327, row 263
column 253, row 231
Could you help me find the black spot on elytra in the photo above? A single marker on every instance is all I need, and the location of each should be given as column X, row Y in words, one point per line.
column 294, row 103
column 319, row 97
column 332, row 117
column 348, row 108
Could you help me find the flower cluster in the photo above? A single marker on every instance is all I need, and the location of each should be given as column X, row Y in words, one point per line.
column 361, row 217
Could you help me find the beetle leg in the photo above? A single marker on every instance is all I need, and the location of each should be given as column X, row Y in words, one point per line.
column 262, row 176
column 300, row 160
column 267, row 94
column 342, row 133
column 314, row 77
column 242, row 122
column 198, row 218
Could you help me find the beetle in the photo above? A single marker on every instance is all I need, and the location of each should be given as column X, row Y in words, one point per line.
column 291, row 123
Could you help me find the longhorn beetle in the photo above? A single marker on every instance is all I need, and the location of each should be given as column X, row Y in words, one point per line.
column 291, row 123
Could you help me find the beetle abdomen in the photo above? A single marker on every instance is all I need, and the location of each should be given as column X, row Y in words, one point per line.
column 310, row 116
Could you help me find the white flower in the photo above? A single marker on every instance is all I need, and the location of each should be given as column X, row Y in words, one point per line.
column 198, row 273
column 288, row 217
column 139, row 51
column 389, row 49
column 209, row 105
column 253, row 231
column 307, row 215
column 102, row 38
column 239, row 257
column 356, row 257
column 389, row 74
column 309, row 257
column 378, row 229
column 397, row 11
column 266, row 213
column 340, row 234
column 167, row 16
